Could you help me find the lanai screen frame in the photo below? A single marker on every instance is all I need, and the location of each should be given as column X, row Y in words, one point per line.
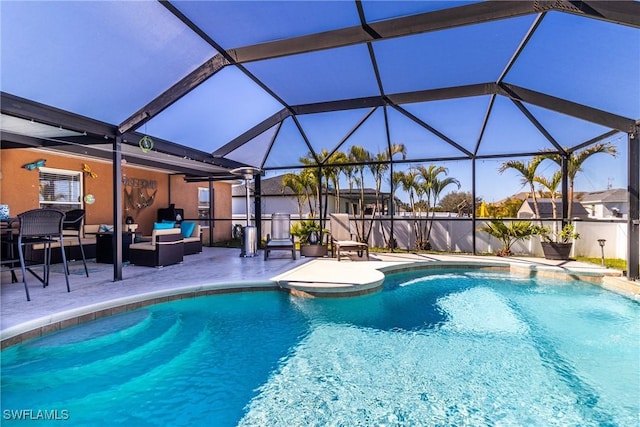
column 625, row 13
column 367, row 33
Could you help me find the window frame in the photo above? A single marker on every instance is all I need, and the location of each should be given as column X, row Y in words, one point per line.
column 66, row 205
column 204, row 221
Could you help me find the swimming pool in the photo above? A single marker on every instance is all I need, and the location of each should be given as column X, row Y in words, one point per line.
column 447, row 347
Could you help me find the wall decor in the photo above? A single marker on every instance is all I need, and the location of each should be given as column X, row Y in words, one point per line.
column 34, row 165
column 145, row 144
column 89, row 199
column 137, row 194
column 87, row 170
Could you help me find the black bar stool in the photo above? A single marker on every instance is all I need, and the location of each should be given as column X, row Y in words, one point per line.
column 74, row 221
column 9, row 255
column 41, row 226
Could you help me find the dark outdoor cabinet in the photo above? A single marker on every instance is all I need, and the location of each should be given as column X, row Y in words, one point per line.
column 171, row 214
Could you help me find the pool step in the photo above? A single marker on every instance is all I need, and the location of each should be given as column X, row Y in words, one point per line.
column 107, row 365
column 153, row 376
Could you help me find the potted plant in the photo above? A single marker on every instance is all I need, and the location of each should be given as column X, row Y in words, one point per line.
column 510, row 234
column 557, row 244
column 309, row 234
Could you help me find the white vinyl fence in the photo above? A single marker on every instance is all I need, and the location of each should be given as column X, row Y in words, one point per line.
column 456, row 235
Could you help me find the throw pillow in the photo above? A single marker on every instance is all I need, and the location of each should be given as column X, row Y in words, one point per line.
column 187, row 228
column 162, row 225
column 166, row 221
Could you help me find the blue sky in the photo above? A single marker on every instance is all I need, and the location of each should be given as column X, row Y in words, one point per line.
column 108, row 59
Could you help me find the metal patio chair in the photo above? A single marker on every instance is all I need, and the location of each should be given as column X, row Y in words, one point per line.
column 280, row 238
column 74, row 222
column 341, row 237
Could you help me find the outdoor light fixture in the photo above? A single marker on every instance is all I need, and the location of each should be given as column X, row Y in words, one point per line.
column 601, row 242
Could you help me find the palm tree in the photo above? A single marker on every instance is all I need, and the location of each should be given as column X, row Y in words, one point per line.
column 552, row 186
column 433, row 186
column 408, row 182
column 528, row 172
column 294, row 183
column 309, row 177
column 334, row 174
column 394, row 150
column 359, row 155
column 328, row 173
column 378, row 170
column 348, row 172
column 395, row 182
column 510, row 234
column 381, row 165
column 575, row 162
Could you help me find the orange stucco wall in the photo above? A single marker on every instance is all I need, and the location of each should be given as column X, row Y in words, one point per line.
column 185, row 195
column 19, row 190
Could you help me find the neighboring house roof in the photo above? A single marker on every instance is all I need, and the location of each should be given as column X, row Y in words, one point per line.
column 268, row 187
column 273, row 187
column 614, row 195
column 523, row 195
column 545, row 207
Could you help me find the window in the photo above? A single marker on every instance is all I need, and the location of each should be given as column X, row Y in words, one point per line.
column 204, row 206
column 60, row 189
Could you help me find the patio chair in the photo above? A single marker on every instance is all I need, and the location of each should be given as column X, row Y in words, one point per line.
column 166, row 247
column 73, row 225
column 280, row 238
column 341, row 237
column 41, row 226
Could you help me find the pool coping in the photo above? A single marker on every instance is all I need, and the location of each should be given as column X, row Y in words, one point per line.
column 313, row 287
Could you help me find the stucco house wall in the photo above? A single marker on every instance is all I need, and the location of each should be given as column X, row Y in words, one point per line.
column 19, row 189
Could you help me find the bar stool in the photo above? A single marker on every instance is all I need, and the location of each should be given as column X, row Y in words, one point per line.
column 41, row 226
column 74, row 221
column 8, row 241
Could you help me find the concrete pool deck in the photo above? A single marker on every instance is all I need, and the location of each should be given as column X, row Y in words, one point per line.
column 218, row 270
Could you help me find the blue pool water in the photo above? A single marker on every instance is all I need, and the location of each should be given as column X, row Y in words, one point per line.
column 447, row 348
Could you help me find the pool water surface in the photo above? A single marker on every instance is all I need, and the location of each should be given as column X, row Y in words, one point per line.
column 446, row 347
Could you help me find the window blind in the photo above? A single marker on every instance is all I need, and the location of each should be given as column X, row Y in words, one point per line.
column 60, row 189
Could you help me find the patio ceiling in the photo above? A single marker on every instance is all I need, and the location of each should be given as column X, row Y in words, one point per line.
column 221, row 83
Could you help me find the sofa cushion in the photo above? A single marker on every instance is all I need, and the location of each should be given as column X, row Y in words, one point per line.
column 151, row 244
column 163, row 225
column 147, row 246
column 68, row 241
column 164, row 232
column 90, row 229
column 187, row 228
column 195, row 235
